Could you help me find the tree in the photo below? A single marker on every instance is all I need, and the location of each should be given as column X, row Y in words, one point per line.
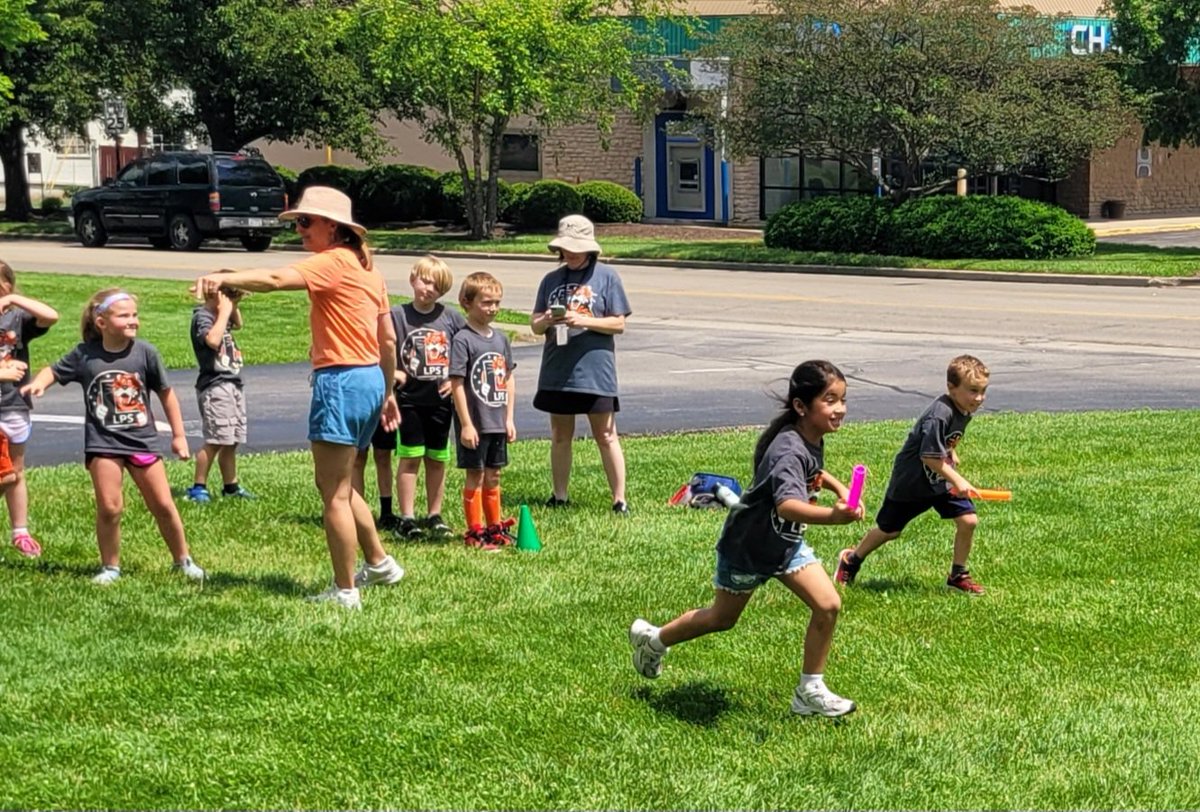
column 17, row 27
column 53, row 86
column 464, row 69
column 274, row 69
column 924, row 86
column 1158, row 39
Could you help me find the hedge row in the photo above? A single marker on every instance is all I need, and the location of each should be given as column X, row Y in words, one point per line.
column 937, row 227
column 403, row 193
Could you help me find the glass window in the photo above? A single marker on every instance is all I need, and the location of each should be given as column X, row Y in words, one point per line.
column 245, row 172
column 821, row 174
column 161, row 172
column 781, row 170
column 776, row 199
column 519, row 153
column 193, row 169
column 133, row 174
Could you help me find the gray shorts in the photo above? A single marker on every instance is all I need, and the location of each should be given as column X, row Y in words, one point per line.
column 222, row 413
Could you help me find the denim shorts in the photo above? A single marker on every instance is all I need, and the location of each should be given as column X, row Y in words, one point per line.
column 346, row 402
column 740, row 583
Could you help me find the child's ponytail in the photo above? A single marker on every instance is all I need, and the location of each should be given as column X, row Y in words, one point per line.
column 806, row 384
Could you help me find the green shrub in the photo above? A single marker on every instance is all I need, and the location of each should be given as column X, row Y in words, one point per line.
column 516, row 201
column 547, row 202
column 289, row 178
column 52, row 205
column 608, row 202
column 453, row 206
column 398, row 193
column 345, row 178
column 850, row 224
column 950, row 227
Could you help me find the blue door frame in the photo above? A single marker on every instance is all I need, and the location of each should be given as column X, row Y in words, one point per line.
column 661, row 138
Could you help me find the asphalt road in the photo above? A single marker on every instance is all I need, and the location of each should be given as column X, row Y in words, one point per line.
column 705, row 348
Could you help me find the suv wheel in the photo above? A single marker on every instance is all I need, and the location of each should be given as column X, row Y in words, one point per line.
column 90, row 230
column 256, row 243
column 183, row 233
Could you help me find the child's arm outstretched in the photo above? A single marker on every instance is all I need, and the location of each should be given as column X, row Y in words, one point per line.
column 37, row 387
column 799, row 510
column 947, row 471
column 170, row 404
column 45, row 315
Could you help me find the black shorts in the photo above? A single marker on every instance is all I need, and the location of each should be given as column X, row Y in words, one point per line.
column 383, row 440
column 425, row 430
column 548, row 400
column 894, row 516
column 492, row 452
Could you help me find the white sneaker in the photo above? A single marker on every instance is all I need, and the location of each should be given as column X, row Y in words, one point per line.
column 384, row 573
column 106, row 575
column 189, row 568
column 818, row 700
column 646, row 658
column 345, row 598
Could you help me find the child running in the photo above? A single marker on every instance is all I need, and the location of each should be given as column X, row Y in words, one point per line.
column 424, row 331
column 484, row 393
column 22, row 319
column 925, row 475
column 219, row 393
column 117, row 373
column 763, row 538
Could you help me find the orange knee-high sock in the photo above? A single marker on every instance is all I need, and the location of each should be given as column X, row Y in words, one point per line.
column 473, row 507
column 491, row 505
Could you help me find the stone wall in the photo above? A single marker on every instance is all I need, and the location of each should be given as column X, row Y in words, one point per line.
column 744, row 190
column 1173, row 186
column 575, row 154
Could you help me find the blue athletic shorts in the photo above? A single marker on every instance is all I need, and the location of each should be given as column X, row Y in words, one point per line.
column 346, row 402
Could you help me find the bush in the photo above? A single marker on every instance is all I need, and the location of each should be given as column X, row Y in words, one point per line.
column 547, row 202
column 52, row 206
column 851, row 224
column 345, row 178
column 398, row 192
column 518, row 192
column 289, row 179
column 453, row 205
column 608, row 202
column 950, row 227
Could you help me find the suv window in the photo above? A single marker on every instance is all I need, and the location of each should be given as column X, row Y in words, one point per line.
column 193, row 169
column 161, row 173
column 245, row 172
column 132, row 174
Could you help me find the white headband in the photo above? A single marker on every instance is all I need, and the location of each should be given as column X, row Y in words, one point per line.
column 111, row 300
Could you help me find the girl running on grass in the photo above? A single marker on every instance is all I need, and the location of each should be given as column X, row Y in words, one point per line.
column 118, row 372
column 22, row 319
column 763, row 538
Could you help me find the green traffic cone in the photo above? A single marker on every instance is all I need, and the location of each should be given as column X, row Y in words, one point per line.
column 527, row 535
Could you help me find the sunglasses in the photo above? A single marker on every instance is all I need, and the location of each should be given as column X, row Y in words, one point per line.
column 304, row 221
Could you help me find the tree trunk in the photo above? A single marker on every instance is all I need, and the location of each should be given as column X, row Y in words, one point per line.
column 16, row 184
column 493, row 190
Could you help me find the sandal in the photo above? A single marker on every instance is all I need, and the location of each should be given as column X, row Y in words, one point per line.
column 27, row 545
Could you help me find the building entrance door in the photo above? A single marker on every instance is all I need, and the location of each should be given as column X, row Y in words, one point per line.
column 685, row 178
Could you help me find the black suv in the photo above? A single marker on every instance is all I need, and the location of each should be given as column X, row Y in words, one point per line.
column 177, row 199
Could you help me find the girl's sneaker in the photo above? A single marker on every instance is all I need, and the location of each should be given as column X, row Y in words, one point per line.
column 384, row 573
column 27, row 545
column 647, row 659
column 345, row 598
column 189, row 569
column 818, row 700
column 106, row 575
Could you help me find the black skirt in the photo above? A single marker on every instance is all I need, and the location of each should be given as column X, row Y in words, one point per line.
column 547, row 400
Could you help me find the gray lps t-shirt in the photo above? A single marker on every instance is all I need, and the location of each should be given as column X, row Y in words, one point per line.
column 588, row 361
column 17, row 328
column 937, row 430
column 755, row 538
column 423, row 350
column 222, row 364
column 484, row 363
column 116, row 395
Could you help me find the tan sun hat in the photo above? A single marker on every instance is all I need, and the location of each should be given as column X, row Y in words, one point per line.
column 327, row 202
column 577, row 235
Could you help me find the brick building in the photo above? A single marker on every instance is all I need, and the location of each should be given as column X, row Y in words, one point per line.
column 680, row 177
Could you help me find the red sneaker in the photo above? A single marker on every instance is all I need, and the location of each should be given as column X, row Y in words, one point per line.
column 499, row 535
column 480, row 538
column 964, row 582
column 845, row 572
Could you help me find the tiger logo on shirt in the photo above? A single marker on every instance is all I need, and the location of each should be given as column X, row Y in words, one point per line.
column 489, row 380
column 580, row 299
column 8, row 344
column 118, row 400
column 426, row 354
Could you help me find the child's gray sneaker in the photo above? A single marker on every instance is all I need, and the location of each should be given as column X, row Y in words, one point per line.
column 106, row 575
column 384, row 573
column 345, row 598
column 189, row 568
column 818, row 700
column 646, row 658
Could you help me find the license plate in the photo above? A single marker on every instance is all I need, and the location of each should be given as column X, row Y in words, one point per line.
column 254, row 222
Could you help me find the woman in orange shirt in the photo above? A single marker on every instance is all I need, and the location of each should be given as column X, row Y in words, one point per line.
column 353, row 354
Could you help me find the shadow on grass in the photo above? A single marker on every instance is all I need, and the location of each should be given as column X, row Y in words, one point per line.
column 52, row 569
column 316, row 520
column 272, row 582
column 880, row 585
column 697, row 703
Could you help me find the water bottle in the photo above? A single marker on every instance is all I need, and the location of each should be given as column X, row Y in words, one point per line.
column 727, row 497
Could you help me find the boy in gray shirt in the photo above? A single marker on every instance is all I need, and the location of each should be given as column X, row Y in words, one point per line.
column 925, row 475
column 481, row 384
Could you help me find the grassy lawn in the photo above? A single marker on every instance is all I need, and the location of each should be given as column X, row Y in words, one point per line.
column 274, row 323
column 503, row 680
column 1110, row 259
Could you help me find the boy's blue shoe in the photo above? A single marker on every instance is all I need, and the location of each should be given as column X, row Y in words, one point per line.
column 197, row 493
column 240, row 493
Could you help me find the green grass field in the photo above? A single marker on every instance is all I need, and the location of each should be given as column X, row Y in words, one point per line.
column 503, row 680
column 276, row 324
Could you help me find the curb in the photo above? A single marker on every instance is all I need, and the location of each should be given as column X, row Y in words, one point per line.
column 1033, row 277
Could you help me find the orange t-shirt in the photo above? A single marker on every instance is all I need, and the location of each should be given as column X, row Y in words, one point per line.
column 347, row 301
